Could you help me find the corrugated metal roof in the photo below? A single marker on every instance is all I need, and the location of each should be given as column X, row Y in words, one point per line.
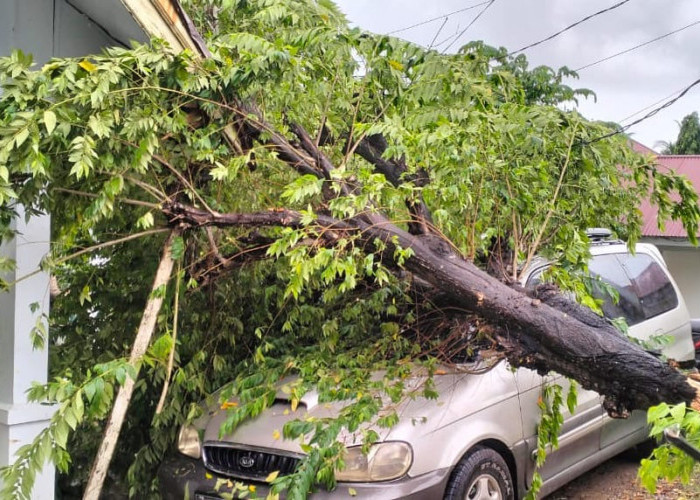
column 641, row 148
column 688, row 165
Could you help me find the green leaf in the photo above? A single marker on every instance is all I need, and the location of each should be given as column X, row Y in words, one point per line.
column 145, row 221
column 678, row 411
column 656, row 412
column 85, row 295
column 89, row 390
column 49, row 121
column 178, row 248
column 61, row 432
column 21, row 136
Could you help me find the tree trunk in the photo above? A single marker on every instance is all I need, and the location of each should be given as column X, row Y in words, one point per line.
column 561, row 337
column 545, row 338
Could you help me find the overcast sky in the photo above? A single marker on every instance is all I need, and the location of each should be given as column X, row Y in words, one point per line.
column 624, row 85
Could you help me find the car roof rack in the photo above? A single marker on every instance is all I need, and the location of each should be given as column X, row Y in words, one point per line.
column 601, row 235
column 598, row 233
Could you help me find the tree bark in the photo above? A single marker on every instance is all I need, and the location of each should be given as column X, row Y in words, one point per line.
column 561, row 337
column 545, row 338
column 372, row 149
column 143, row 338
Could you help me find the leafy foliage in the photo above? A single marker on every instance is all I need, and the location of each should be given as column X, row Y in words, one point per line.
column 104, row 143
column 667, row 461
column 688, row 141
column 548, row 429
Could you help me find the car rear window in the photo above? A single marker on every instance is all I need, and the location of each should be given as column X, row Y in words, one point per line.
column 643, row 287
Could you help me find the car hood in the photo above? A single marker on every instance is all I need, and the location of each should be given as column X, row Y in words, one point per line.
column 462, row 392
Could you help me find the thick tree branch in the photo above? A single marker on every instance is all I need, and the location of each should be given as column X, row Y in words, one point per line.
column 187, row 216
column 252, row 125
column 533, row 333
column 372, row 148
column 544, row 338
column 322, row 161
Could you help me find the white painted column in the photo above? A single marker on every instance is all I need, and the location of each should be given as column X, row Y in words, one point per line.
column 25, row 24
column 20, row 363
column 44, row 28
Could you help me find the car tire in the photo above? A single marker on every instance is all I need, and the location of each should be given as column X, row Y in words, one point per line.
column 480, row 474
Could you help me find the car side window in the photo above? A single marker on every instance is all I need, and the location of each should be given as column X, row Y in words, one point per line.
column 654, row 289
column 626, row 304
column 643, row 287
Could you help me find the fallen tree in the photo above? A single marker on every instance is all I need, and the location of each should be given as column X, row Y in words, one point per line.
column 562, row 337
column 373, row 171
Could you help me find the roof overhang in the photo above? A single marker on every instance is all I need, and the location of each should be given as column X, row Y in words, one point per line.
column 167, row 19
column 127, row 20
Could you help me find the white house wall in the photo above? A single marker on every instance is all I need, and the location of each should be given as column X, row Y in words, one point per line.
column 684, row 264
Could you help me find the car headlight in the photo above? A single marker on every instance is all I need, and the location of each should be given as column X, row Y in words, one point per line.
column 188, row 442
column 384, row 462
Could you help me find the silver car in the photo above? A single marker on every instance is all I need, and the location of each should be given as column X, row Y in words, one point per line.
column 477, row 440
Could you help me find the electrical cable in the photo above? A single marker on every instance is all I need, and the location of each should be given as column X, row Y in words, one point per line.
column 471, row 23
column 447, row 38
column 444, row 16
column 437, row 33
column 638, row 46
column 651, row 105
column 647, row 116
column 619, row 4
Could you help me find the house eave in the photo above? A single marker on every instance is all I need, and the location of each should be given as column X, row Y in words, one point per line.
column 168, row 20
column 165, row 19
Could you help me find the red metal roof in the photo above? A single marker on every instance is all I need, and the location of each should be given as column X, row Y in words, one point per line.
column 688, row 165
column 641, row 148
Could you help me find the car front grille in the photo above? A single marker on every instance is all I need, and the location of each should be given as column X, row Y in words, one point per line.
column 247, row 463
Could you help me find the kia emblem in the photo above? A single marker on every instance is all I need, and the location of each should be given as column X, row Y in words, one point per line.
column 246, row 461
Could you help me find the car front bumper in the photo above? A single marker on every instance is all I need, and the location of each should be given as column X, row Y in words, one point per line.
column 183, row 477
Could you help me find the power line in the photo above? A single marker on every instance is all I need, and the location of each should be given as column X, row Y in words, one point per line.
column 437, row 33
column 444, row 16
column 651, row 105
column 448, row 38
column 638, row 46
column 647, row 116
column 619, row 4
column 470, row 25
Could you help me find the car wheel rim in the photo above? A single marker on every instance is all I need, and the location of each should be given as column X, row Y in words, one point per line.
column 484, row 487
